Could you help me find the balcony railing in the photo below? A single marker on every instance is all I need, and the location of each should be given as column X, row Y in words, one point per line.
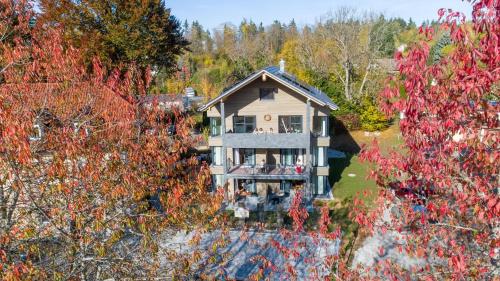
column 266, row 140
column 268, row 170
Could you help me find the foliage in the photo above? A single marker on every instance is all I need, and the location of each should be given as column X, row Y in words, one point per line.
column 312, row 54
column 372, row 119
column 88, row 178
column 119, row 32
column 449, row 169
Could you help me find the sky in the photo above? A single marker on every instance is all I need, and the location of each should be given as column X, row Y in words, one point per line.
column 213, row 13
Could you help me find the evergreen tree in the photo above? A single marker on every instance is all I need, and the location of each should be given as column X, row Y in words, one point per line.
column 119, row 32
column 436, row 52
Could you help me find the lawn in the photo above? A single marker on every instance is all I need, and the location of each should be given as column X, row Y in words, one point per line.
column 349, row 175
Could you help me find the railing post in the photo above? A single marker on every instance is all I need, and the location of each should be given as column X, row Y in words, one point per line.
column 224, row 149
column 308, row 192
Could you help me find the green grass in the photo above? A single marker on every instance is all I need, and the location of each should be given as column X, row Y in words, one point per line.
column 346, row 187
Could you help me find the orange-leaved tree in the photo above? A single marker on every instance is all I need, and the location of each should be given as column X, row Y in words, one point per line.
column 88, row 177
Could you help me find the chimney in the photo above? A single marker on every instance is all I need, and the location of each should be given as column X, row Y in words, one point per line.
column 282, row 66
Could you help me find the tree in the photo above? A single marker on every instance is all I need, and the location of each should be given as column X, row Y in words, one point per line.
column 88, row 177
column 119, row 32
column 449, row 215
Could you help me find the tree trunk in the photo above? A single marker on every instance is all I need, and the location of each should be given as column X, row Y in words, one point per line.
column 346, row 83
column 365, row 77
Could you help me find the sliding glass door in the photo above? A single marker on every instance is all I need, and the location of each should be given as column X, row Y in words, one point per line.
column 244, row 156
column 289, row 156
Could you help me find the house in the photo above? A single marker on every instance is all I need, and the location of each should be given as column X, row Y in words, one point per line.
column 269, row 134
column 167, row 102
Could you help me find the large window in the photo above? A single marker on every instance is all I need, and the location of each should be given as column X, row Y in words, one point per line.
column 320, row 185
column 217, row 155
column 320, row 126
column 267, row 94
column 244, row 156
column 215, row 126
column 248, row 155
column 244, row 124
column 290, row 124
column 291, row 157
column 320, row 156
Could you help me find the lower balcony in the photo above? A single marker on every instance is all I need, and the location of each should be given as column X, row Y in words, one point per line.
column 280, row 172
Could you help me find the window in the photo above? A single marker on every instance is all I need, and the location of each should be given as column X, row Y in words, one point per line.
column 320, row 185
column 248, row 156
column 320, row 126
column 290, row 124
column 244, row 124
column 320, row 157
column 215, row 126
column 285, row 186
column 216, row 182
column 267, row 94
column 290, row 157
column 248, row 185
column 217, row 155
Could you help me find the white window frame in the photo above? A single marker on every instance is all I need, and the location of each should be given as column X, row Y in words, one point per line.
column 320, row 185
column 217, row 155
column 217, row 181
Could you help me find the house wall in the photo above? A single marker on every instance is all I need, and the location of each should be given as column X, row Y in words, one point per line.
column 246, row 101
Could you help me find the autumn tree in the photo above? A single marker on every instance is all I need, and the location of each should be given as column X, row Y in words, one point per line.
column 119, row 32
column 440, row 191
column 89, row 178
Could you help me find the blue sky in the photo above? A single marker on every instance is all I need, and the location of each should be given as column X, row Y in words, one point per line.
column 212, row 13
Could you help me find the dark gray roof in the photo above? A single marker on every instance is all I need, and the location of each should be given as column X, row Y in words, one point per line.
column 282, row 77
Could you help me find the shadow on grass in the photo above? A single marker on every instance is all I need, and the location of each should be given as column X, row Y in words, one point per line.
column 341, row 140
column 337, row 167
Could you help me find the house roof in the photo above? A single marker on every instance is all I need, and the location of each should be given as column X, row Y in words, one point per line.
column 164, row 102
column 284, row 78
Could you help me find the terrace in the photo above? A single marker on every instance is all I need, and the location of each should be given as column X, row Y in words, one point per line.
column 269, row 172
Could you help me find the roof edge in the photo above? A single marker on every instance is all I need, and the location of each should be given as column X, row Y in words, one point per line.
column 254, row 76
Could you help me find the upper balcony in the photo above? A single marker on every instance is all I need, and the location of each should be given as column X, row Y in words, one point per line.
column 286, row 131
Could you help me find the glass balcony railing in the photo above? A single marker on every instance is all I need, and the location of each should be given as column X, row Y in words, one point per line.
column 278, row 170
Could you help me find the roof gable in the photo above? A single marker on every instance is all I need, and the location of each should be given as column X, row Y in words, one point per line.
column 281, row 77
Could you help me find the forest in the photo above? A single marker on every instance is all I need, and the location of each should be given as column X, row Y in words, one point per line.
column 347, row 54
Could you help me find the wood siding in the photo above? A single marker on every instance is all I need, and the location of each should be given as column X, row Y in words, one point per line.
column 246, row 102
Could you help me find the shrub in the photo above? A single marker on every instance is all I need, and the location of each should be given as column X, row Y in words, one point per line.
column 372, row 119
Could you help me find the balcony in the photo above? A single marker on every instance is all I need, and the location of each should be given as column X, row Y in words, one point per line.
column 266, row 140
column 278, row 172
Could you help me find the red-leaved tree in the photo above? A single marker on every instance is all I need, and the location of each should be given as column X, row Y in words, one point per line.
column 440, row 192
